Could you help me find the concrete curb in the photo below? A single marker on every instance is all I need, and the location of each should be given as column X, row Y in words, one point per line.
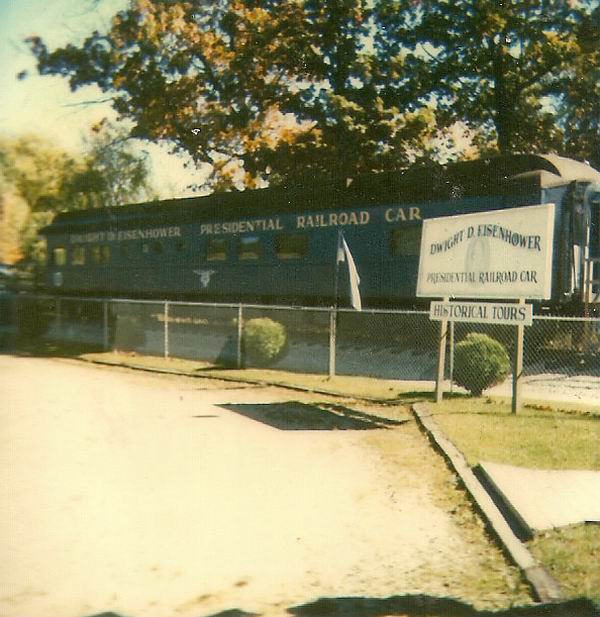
column 247, row 380
column 544, row 587
column 511, row 513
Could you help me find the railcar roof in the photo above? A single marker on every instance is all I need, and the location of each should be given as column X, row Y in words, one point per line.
column 503, row 174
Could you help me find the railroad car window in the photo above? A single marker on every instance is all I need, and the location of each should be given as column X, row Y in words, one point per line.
column 96, row 254
column 78, row 256
column 291, row 246
column 405, row 241
column 249, row 248
column 59, row 256
column 216, row 249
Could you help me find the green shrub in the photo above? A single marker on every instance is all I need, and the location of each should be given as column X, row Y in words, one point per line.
column 264, row 341
column 479, row 363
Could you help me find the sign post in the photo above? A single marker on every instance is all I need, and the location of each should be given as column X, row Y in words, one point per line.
column 451, row 345
column 166, row 331
column 439, row 379
column 493, row 255
column 518, row 365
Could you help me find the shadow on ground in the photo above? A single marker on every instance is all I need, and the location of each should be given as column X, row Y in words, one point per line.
column 295, row 416
column 412, row 605
column 416, row 606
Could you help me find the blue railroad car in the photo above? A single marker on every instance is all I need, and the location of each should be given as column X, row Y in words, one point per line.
column 278, row 245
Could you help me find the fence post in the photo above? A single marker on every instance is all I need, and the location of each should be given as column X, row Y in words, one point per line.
column 451, row 355
column 166, row 318
column 240, row 333
column 518, row 366
column 105, row 325
column 332, row 340
column 59, row 318
column 443, row 340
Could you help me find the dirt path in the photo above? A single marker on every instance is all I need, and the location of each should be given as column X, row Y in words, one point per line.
column 154, row 496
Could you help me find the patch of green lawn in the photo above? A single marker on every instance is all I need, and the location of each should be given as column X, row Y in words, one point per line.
column 572, row 556
column 543, row 438
column 352, row 386
column 486, row 430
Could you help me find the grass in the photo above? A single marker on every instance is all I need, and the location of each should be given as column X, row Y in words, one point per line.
column 572, row 556
column 352, row 386
column 540, row 437
column 544, row 437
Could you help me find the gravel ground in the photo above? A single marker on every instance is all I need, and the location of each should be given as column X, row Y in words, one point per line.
column 153, row 496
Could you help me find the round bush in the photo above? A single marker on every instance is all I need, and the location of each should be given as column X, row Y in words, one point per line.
column 264, row 341
column 479, row 363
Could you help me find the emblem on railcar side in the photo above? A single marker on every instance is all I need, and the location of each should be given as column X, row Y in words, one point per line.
column 205, row 276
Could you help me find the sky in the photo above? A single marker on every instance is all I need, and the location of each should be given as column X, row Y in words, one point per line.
column 44, row 105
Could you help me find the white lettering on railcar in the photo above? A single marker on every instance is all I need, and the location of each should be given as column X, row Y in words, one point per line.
column 235, row 227
column 401, row 215
column 153, row 233
column 332, row 219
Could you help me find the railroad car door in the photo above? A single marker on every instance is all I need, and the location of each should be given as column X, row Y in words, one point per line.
column 591, row 256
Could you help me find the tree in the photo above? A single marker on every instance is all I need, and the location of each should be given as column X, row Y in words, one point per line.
column 111, row 173
column 33, row 172
column 38, row 180
column 13, row 214
column 273, row 90
column 580, row 93
column 520, row 70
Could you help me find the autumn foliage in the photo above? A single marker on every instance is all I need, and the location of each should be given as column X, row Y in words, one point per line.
column 271, row 90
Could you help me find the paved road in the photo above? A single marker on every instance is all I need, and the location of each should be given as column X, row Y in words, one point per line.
column 153, row 496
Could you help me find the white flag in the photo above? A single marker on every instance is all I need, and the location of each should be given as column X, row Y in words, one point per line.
column 344, row 254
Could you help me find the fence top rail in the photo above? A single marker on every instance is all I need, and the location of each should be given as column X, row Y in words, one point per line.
column 383, row 311
column 277, row 307
column 566, row 318
column 236, row 305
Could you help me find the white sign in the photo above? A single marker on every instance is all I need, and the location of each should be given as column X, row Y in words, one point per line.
column 482, row 312
column 494, row 254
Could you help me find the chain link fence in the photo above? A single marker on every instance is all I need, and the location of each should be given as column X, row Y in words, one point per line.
column 387, row 345
column 561, row 354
